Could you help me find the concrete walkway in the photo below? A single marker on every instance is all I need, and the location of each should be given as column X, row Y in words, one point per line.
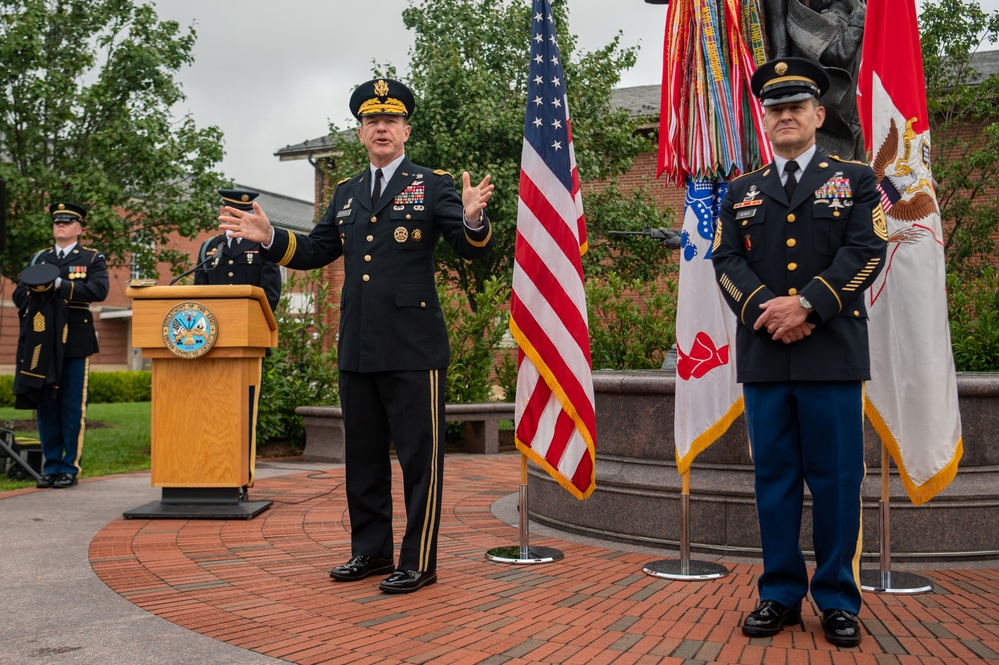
column 82, row 585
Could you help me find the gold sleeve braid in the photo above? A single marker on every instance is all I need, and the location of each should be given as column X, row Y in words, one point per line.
column 718, row 235
column 479, row 243
column 861, row 276
column 289, row 253
column 832, row 291
column 730, row 288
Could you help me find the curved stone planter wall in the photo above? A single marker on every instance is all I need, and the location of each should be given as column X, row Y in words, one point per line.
column 638, row 488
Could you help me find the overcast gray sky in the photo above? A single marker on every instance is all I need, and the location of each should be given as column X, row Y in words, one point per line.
column 273, row 73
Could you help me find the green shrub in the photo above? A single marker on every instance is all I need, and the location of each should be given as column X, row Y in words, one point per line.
column 632, row 322
column 974, row 320
column 117, row 387
column 104, row 388
column 474, row 336
column 7, row 390
column 302, row 370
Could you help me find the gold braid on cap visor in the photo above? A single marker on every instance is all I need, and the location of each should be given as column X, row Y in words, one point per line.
column 790, row 79
column 390, row 106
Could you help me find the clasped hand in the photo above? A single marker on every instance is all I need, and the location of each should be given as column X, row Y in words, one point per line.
column 784, row 318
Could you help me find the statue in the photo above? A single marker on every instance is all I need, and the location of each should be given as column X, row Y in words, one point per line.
column 830, row 32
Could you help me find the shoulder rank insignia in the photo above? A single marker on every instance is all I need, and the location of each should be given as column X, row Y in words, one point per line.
column 443, row 172
column 743, row 175
column 846, row 161
column 342, row 181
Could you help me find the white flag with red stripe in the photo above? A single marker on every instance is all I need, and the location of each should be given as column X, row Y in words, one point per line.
column 912, row 397
column 555, row 421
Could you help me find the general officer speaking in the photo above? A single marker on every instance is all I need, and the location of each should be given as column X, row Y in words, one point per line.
column 393, row 348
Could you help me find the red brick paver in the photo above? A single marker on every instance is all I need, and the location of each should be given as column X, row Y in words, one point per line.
column 263, row 585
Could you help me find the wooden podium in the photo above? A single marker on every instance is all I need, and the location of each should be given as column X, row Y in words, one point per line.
column 206, row 344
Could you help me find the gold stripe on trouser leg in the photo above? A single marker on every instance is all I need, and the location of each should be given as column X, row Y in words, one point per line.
column 430, row 518
column 253, row 424
column 83, row 414
column 860, row 499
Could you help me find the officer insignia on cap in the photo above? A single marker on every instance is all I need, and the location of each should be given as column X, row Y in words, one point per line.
column 780, row 69
column 62, row 206
column 401, row 234
column 381, row 88
column 245, row 197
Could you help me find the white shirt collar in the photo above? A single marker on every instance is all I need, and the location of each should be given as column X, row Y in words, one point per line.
column 387, row 171
column 803, row 160
column 66, row 250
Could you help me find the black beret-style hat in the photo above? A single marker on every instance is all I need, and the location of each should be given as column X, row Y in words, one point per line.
column 68, row 212
column 240, row 199
column 382, row 97
column 787, row 80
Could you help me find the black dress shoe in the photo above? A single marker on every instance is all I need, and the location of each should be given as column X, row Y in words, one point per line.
column 48, row 480
column 360, row 567
column 407, row 581
column 842, row 628
column 64, row 480
column 769, row 618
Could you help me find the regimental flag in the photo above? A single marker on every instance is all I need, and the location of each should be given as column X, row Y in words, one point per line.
column 912, row 397
column 555, row 420
column 707, row 399
column 711, row 128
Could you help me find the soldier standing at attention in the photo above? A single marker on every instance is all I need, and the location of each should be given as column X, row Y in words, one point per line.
column 239, row 261
column 796, row 245
column 62, row 406
column 393, row 346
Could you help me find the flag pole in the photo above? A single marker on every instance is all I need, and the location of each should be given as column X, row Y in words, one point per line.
column 884, row 580
column 524, row 553
column 684, row 569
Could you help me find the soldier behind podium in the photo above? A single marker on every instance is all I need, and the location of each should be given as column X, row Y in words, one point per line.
column 227, row 260
column 393, row 346
column 80, row 278
column 797, row 244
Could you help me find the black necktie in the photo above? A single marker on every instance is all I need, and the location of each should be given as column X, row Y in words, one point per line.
column 790, row 183
column 377, row 193
column 60, row 254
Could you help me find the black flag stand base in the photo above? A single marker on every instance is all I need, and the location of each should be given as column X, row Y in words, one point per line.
column 524, row 553
column 683, row 569
column 884, row 580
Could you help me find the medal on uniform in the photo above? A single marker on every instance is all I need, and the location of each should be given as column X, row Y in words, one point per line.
column 401, row 234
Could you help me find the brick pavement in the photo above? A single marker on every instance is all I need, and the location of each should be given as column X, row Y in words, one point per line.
column 263, row 585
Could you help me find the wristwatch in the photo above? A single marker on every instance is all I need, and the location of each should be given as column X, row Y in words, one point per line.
column 804, row 303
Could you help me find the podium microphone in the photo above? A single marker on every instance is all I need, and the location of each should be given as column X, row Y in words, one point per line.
column 214, row 257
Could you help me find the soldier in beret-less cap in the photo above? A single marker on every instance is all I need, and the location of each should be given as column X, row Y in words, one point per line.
column 240, row 199
column 382, row 97
column 796, row 245
column 226, row 260
column 53, row 297
column 68, row 212
column 393, row 344
column 787, row 80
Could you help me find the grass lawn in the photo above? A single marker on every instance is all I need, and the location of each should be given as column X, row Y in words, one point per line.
column 116, row 440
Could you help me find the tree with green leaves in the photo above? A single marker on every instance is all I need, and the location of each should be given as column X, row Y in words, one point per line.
column 469, row 67
column 86, row 94
column 964, row 111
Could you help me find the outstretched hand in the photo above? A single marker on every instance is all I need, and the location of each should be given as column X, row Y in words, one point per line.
column 252, row 225
column 475, row 198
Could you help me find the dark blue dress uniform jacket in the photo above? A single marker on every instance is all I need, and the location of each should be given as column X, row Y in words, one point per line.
column 827, row 245
column 242, row 263
column 390, row 316
column 84, row 280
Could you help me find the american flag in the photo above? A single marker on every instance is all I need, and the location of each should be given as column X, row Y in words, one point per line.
column 555, row 422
